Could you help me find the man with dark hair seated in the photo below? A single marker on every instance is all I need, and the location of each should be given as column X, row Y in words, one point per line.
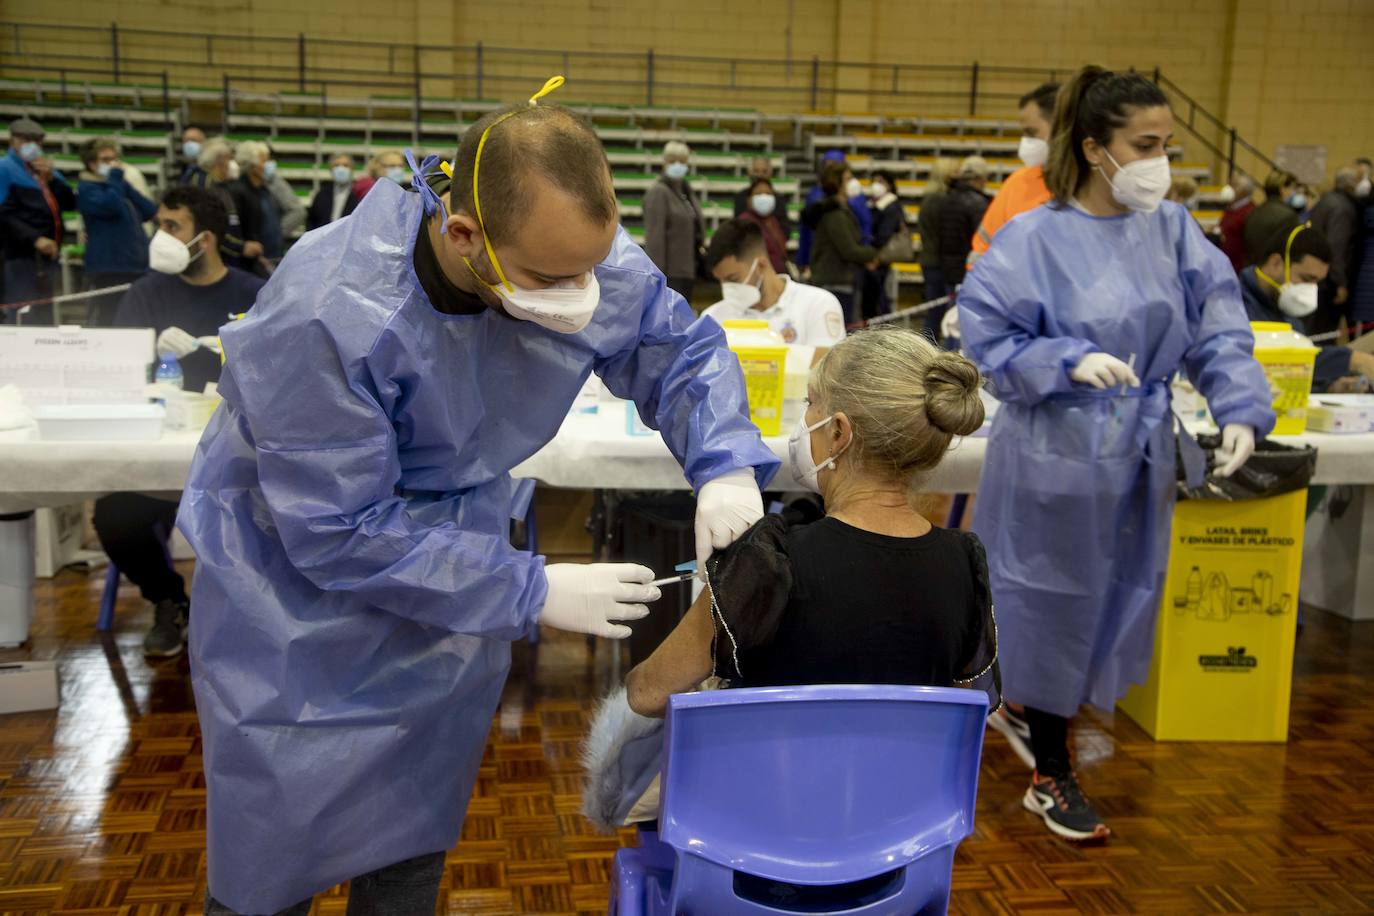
column 187, row 296
column 1282, row 286
column 752, row 289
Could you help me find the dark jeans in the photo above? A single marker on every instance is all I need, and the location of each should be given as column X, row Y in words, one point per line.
column 100, row 310
column 683, row 286
column 133, row 529
column 30, row 278
column 408, row 888
column 935, row 287
column 846, row 296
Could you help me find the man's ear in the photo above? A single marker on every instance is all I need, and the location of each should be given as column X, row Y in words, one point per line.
column 1273, row 266
column 464, row 234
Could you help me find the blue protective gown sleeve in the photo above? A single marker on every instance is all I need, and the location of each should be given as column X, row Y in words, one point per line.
column 687, row 384
column 331, row 490
column 1221, row 359
column 1008, row 332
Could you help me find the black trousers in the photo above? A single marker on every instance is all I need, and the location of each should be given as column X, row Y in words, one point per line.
column 407, row 888
column 133, row 529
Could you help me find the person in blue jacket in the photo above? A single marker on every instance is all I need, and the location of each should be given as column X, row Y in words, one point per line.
column 1283, row 286
column 114, row 214
column 1079, row 314
column 33, row 196
column 356, row 591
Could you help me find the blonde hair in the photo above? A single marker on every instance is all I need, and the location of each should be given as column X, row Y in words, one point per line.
column 212, row 151
column 250, row 153
column 906, row 399
column 676, row 148
column 941, row 171
column 374, row 165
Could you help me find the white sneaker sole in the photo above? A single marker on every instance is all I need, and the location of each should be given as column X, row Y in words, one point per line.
column 1018, row 743
column 1032, row 803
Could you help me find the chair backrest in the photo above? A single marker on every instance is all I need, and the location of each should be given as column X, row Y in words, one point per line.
column 823, row 784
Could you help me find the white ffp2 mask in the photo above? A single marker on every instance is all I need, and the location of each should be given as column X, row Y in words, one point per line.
column 744, row 295
column 804, row 467
column 1298, row 300
column 1033, row 151
column 565, row 307
column 169, row 255
column 853, row 188
column 1139, row 185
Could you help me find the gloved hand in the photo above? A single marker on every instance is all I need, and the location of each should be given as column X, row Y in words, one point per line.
column 1237, row 445
column 211, row 343
column 587, row 597
column 1103, row 371
column 726, row 508
column 176, row 342
column 949, row 325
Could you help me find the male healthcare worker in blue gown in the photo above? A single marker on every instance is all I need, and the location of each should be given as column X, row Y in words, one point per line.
column 356, row 592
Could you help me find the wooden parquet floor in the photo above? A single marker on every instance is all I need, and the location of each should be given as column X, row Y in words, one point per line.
column 102, row 802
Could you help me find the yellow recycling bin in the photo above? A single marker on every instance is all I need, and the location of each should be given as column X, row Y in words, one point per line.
column 1223, row 658
column 1289, row 362
column 763, row 358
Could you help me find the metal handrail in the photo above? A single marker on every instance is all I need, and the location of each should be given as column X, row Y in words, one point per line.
column 807, row 82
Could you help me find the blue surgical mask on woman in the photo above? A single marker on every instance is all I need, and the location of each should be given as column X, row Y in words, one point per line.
column 269, row 168
column 676, row 170
column 341, row 174
column 1297, row 200
column 397, row 173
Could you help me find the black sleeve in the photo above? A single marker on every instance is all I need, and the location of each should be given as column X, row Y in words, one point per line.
column 979, row 669
column 750, row 582
column 135, row 310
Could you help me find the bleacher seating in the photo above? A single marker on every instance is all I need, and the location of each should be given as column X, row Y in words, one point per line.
column 306, row 129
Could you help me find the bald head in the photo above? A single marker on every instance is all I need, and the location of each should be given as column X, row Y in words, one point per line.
column 533, row 149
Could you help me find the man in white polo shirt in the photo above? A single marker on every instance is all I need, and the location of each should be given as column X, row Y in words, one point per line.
column 752, row 289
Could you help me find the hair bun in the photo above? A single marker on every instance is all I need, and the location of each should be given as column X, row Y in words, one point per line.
column 952, row 401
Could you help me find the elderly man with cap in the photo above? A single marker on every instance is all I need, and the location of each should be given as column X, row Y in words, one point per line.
column 356, row 590
column 32, row 198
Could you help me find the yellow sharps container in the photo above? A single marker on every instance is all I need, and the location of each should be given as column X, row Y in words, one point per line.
column 1288, row 359
column 763, row 357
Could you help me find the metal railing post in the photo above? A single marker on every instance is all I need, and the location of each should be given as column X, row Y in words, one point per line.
column 417, row 95
column 166, row 102
column 479, row 71
column 973, row 91
column 1231, row 158
column 114, row 49
column 649, row 78
column 815, row 82
column 224, row 119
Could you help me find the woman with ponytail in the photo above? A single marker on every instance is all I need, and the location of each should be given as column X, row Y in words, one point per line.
column 1079, row 314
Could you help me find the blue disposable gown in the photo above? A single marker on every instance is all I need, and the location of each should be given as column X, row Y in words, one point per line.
column 349, row 505
column 1076, row 498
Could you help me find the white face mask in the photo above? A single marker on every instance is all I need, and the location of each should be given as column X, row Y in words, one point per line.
column 341, row 174
column 168, row 255
column 1362, row 189
column 1033, row 151
column 269, row 168
column 397, row 173
column 190, row 148
column 676, row 170
column 1139, row 185
column 29, row 151
column 1298, row 300
column 804, row 467
column 1228, row 194
column 763, row 204
column 743, row 295
column 103, row 169
column 852, row 188
column 233, row 170
column 565, row 307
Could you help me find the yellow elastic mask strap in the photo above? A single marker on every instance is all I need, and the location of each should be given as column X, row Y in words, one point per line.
column 550, row 85
column 1288, row 252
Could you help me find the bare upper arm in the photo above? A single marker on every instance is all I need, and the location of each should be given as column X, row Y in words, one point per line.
column 678, row 665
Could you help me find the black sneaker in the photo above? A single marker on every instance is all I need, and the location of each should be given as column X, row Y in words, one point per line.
column 167, row 638
column 1064, row 807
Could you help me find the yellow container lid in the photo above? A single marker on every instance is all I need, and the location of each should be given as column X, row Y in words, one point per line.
column 750, row 324
column 1273, row 327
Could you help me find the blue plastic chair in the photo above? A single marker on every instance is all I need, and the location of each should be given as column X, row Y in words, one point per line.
column 858, row 794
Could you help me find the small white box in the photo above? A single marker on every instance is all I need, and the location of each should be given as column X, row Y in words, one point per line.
column 27, row 686
column 1335, row 413
column 100, row 422
column 188, row 410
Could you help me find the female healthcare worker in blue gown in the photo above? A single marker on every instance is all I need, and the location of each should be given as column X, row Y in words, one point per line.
column 356, row 592
column 1079, row 315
